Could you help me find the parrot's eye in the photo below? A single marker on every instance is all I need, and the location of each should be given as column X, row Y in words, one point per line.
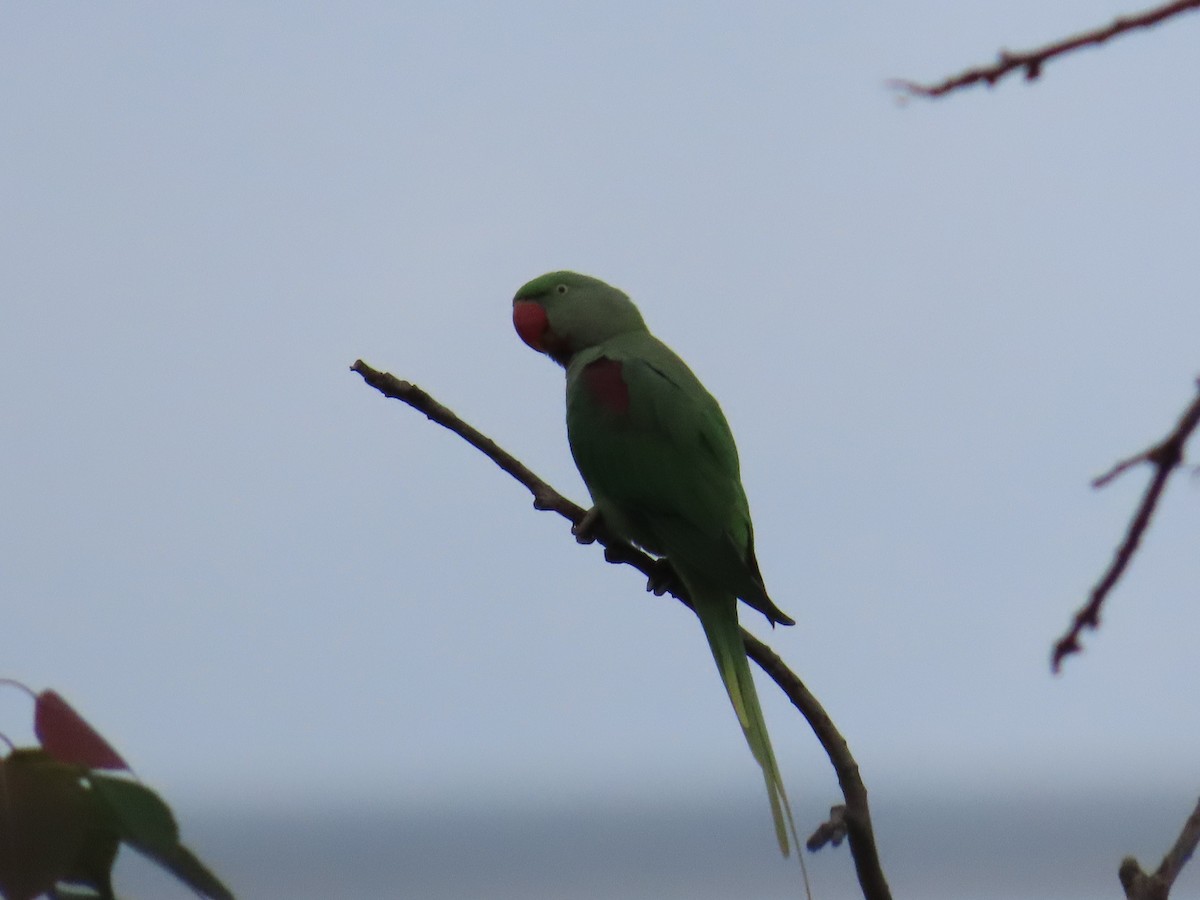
column 562, row 288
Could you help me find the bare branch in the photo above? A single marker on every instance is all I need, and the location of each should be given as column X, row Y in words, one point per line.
column 1185, row 845
column 857, row 815
column 1165, row 456
column 1031, row 61
column 544, row 496
column 1140, row 886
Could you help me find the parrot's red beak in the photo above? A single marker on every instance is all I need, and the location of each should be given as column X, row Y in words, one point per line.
column 531, row 322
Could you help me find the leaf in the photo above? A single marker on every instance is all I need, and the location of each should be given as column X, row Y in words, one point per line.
column 69, row 738
column 141, row 819
column 69, row 893
column 49, row 824
column 93, row 865
column 139, row 816
column 185, row 866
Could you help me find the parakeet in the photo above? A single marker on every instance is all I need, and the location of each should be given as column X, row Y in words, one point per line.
column 660, row 462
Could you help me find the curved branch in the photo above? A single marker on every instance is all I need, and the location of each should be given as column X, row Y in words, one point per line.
column 854, row 819
column 857, row 815
column 1165, row 456
column 1033, row 60
column 1140, row 886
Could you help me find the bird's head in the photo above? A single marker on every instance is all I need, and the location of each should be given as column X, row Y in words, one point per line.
column 561, row 313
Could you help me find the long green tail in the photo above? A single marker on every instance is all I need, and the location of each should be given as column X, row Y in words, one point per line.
column 718, row 614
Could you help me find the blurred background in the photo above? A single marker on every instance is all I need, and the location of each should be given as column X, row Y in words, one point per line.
column 343, row 644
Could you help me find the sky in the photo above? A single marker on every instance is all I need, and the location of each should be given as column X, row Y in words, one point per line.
column 929, row 325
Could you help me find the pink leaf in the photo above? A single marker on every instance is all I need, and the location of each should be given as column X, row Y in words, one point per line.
column 68, row 738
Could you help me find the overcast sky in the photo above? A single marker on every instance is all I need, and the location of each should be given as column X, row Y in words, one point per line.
column 929, row 324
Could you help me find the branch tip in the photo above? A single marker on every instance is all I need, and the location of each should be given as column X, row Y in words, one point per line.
column 1032, row 61
column 1165, row 457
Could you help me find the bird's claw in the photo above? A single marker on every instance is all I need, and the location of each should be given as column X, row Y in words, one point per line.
column 585, row 529
column 661, row 577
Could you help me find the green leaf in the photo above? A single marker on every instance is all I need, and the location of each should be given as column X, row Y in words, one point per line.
column 73, row 893
column 186, row 866
column 50, row 826
column 138, row 815
column 93, row 864
column 141, row 819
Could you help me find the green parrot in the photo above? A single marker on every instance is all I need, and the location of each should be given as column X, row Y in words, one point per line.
column 660, row 463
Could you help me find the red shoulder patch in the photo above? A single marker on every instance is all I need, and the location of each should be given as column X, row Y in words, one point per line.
column 603, row 380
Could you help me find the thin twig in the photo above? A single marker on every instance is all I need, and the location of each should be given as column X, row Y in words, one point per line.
column 1165, row 456
column 1033, row 60
column 857, row 816
column 1140, row 886
column 545, row 497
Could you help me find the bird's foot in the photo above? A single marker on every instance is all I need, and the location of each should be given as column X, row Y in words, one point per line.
column 661, row 578
column 585, row 529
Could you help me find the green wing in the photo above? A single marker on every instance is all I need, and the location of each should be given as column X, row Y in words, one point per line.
column 664, row 472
